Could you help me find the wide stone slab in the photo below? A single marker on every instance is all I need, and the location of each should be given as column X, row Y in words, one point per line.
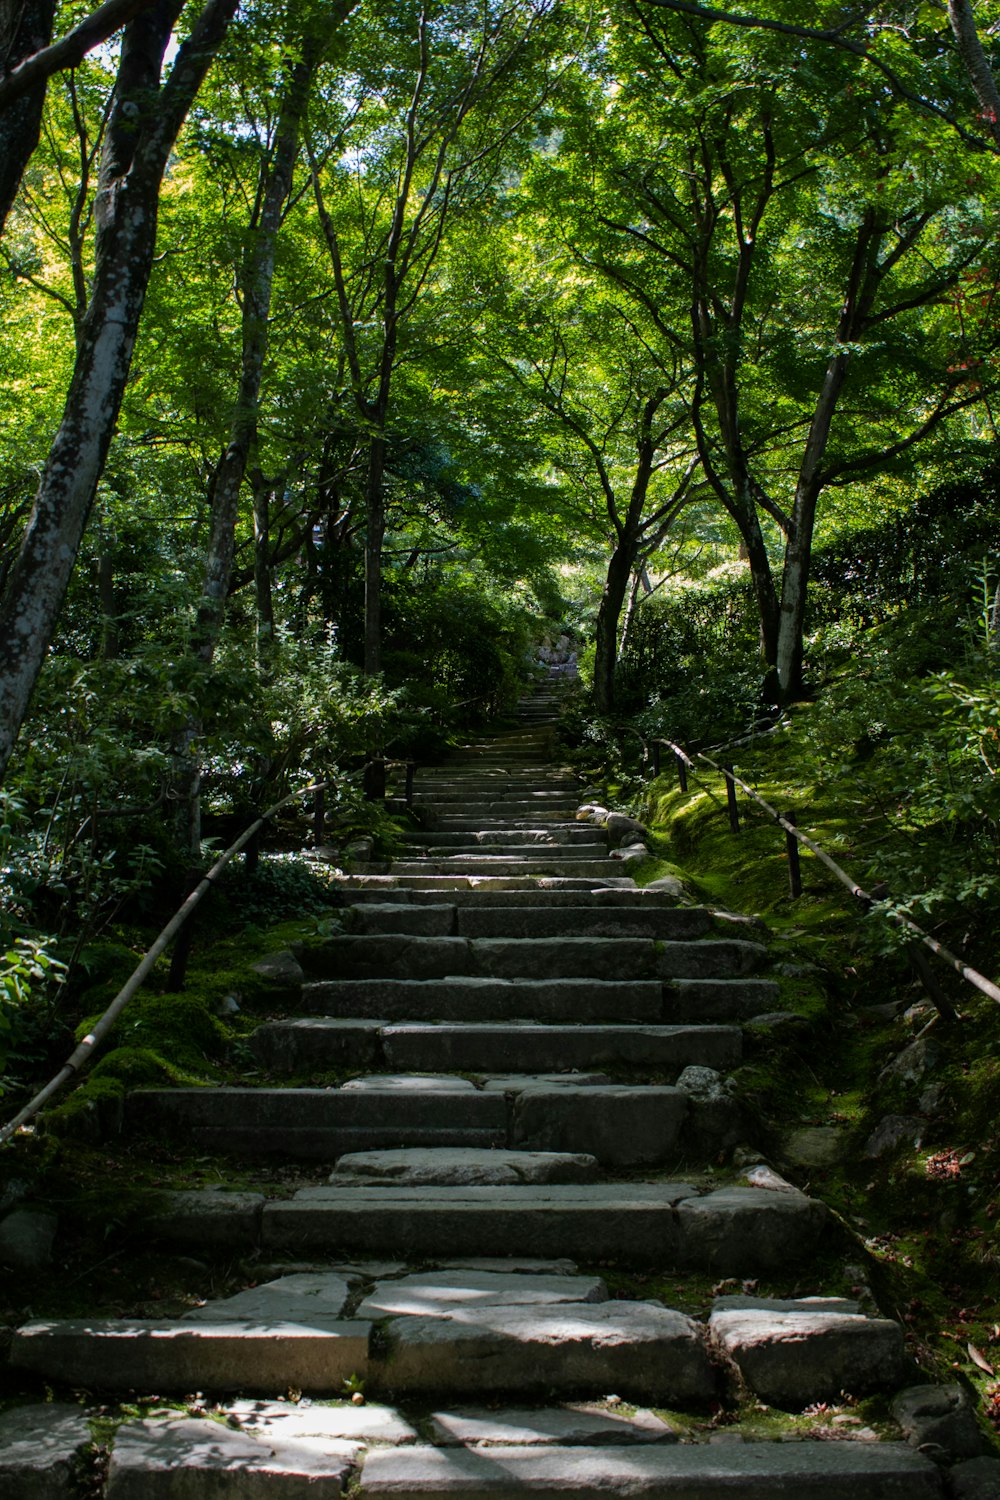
column 753, row 1471
column 313, row 1298
column 435, row 1293
column 793, row 1359
column 547, row 895
column 457, row 1165
column 522, row 1046
column 40, row 1448
column 636, row 1349
column 320, row 1124
column 731, row 1232
column 637, row 1223
column 475, row 999
column 123, row 1354
column 571, row 1426
column 185, row 1458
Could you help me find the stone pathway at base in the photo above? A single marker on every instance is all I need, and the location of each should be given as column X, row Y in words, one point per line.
column 532, row 1057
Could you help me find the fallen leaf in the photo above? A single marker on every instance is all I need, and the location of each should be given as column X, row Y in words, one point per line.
column 979, row 1359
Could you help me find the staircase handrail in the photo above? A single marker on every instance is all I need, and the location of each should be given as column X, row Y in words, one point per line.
column 86, row 1049
column 966, row 971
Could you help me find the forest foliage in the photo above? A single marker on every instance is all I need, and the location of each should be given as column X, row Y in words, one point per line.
column 349, row 349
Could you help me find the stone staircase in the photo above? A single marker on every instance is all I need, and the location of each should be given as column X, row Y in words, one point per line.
column 532, row 1132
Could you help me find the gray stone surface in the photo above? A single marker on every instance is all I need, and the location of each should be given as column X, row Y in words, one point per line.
column 311, row 1124
column 207, row 1220
column 39, row 1449
column 457, row 1165
column 815, row 1146
column 742, row 1231
column 145, row 1355
column 522, row 1263
column 939, row 1420
column 308, row 1297
column 187, row 1458
column 434, row 1293
column 718, row 999
column 312, row 1044
column 523, row 1046
column 785, row 1304
column 282, row 969
column 621, row 1126
column 408, row 1083
column 370, row 1423
column 795, row 1358
column 26, row 1238
column 639, row 1350
column 469, row 998
column 977, row 1479
column 718, row 959
column 732, row 1232
column 516, row 1083
column 754, row 1471
column 574, row 1426
column 894, row 1131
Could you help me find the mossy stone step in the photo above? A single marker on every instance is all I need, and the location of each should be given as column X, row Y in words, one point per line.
column 488, row 920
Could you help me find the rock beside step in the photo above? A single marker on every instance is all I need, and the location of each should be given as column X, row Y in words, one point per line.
column 756, row 1471
column 793, row 1355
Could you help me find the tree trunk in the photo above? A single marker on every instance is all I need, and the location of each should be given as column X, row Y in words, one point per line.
column 144, row 122
column 263, row 596
column 20, row 124
column 606, row 635
column 374, row 538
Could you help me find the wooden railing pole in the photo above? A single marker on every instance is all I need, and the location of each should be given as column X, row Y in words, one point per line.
column 794, row 863
column 734, row 809
column 682, row 772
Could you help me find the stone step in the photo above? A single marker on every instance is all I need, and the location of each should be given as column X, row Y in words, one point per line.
column 350, row 884
column 572, row 834
column 549, row 896
column 394, row 955
column 621, row 1125
column 756, row 1471
column 318, row 1044
column 542, row 862
column 487, row 920
column 642, row 1352
column 476, row 999
column 730, row 1231
column 734, row 1231
column 527, row 851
